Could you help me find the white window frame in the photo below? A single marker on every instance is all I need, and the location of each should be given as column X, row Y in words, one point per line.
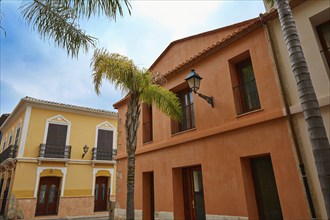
column 109, row 127
column 59, row 120
column 4, row 142
column 19, row 126
column 10, row 139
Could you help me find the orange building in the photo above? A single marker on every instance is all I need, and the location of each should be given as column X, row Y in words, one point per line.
column 232, row 160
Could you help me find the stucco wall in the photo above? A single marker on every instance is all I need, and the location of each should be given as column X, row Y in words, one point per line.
column 221, row 140
column 307, row 15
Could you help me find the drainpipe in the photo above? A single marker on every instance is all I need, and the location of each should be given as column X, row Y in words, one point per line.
column 290, row 120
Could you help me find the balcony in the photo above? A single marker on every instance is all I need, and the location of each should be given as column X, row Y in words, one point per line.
column 103, row 154
column 53, row 151
column 9, row 153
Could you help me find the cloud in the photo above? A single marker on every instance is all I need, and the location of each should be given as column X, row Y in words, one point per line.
column 179, row 17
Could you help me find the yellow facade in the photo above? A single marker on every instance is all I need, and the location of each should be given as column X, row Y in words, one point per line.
column 38, row 171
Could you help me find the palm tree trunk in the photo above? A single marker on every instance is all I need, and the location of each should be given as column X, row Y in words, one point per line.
column 308, row 99
column 131, row 126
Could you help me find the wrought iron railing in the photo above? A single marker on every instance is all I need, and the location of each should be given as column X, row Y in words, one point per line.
column 246, row 96
column 147, row 131
column 53, row 151
column 9, row 152
column 103, row 154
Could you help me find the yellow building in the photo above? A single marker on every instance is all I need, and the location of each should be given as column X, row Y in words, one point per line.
column 57, row 160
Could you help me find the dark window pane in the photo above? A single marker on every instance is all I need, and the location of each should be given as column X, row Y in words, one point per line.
column 323, row 31
column 187, row 103
column 17, row 135
column 246, row 91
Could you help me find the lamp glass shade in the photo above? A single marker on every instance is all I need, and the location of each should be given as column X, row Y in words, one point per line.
column 193, row 80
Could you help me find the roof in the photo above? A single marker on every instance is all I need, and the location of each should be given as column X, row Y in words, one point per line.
column 58, row 104
column 44, row 104
column 3, row 118
column 239, row 30
column 220, row 31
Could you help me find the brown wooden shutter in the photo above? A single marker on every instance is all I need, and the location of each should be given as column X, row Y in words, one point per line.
column 56, row 135
column 104, row 139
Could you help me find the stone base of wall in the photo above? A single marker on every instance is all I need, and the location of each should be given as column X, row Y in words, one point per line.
column 76, row 206
column 28, row 206
column 225, row 217
column 120, row 214
column 68, row 207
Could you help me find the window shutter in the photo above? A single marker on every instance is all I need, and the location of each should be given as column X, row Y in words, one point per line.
column 104, row 139
column 56, row 135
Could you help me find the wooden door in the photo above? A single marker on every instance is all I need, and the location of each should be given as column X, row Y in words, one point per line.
column 101, row 194
column 48, row 196
column 269, row 206
column 193, row 193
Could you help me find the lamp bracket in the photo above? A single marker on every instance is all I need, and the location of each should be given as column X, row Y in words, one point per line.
column 209, row 99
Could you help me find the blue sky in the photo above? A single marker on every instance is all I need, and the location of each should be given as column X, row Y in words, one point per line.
column 34, row 67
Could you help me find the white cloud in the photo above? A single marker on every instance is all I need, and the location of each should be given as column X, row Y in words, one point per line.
column 180, row 17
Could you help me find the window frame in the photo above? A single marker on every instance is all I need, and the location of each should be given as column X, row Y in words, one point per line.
column 147, row 114
column 187, row 101
column 18, row 131
column 242, row 88
column 106, row 126
column 321, row 37
column 60, row 120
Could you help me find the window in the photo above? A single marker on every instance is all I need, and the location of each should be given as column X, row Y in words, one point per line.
column 4, row 146
column 10, row 139
column 187, row 102
column 323, row 31
column 56, row 135
column 245, row 87
column 17, row 135
column 104, row 144
column 147, row 123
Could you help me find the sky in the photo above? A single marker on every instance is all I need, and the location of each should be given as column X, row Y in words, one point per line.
column 31, row 66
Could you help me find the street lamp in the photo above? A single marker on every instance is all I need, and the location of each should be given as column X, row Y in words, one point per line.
column 85, row 149
column 194, row 80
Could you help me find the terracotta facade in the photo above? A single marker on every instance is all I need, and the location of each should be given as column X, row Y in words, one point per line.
column 219, row 149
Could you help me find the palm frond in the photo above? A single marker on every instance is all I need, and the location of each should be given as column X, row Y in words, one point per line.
column 164, row 99
column 115, row 68
column 109, row 8
column 270, row 2
column 52, row 19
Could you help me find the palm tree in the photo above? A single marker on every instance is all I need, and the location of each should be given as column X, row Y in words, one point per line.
column 307, row 96
column 141, row 87
column 59, row 20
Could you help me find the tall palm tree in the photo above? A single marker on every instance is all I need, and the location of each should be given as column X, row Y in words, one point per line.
column 307, row 96
column 141, row 87
column 59, row 20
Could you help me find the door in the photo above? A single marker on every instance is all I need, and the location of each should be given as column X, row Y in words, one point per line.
column 148, row 207
column 193, row 193
column 101, row 194
column 265, row 188
column 5, row 195
column 48, row 196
